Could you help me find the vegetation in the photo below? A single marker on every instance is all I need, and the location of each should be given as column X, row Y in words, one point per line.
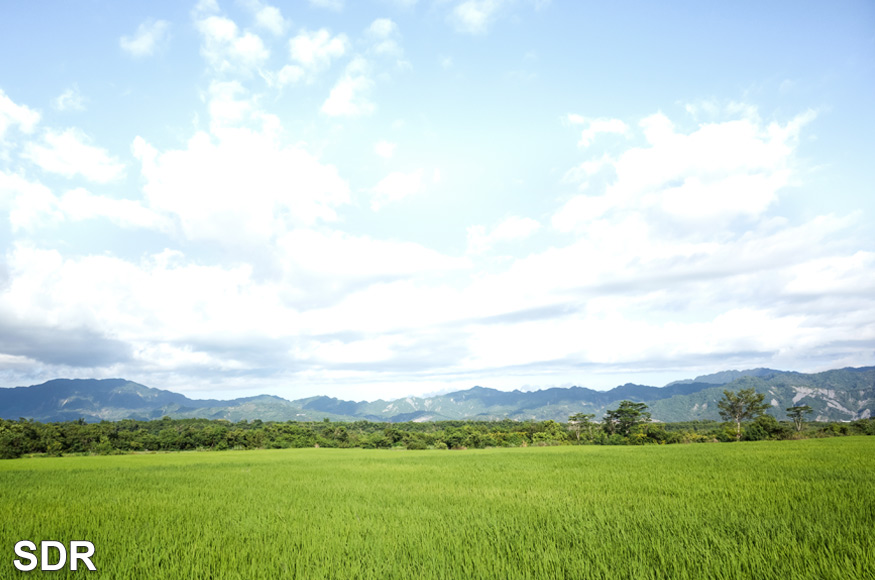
column 581, row 422
column 577, row 512
column 797, row 414
column 625, row 418
column 25, row 437
column 737, row 407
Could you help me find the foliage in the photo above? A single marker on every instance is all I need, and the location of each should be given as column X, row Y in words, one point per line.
column 737, row 407
column 798, row 413
column 25, row 437
column 624, row 418
column 766, row 427
column 581, row 423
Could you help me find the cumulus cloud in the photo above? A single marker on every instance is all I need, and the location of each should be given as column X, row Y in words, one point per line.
column 231, row 107
column 70, row 153
column 150, row 36
column 511, row 229
column 593, row 127
column 32, row 206
column 243, row 189
column 475, row 16
column 384, row 36
column 227, row 49
column 717, row 172
column 312, row 53
column 80, row 204
column 630, row 295
column 267, row 17
column 70, row 100
column 161, row 305
column 13, row 115
column 349, row 96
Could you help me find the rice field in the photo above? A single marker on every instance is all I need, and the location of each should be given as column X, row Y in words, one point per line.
column 788, row 510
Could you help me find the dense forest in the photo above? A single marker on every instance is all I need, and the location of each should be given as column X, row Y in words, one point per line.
column 27, row 437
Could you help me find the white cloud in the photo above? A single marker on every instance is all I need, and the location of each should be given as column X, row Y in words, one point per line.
column 718, row 172
column 348, row 97
column 12, row 115
column 396, row 186
column 382, row 28
column 334, row 257
column 70, row 100
column 31, row 204
column 80, row 204
column 205, row 7
column 403, row 303
column 226, row 49
column 627, row 294
column 313, row 51
column 157, row 306
column 242, row 188
column 475, row 16
column 384, row 149
column 335, row 5
column 268, row 17
column 384, row 36
column 596, row 126
column 150, row 36
column 231, row 107
column 844, row 275
column 69, row 153
column 511, row 229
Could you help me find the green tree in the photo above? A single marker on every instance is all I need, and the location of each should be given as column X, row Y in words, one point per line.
column 737, row 407
column 798, row 415
column 581, row 422
column 625, row 417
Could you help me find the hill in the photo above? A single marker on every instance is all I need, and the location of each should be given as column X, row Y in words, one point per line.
column 836, row 395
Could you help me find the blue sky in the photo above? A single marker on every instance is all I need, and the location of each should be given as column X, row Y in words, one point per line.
column 400, row 197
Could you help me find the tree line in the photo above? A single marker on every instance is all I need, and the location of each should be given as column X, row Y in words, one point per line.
column 629, row 424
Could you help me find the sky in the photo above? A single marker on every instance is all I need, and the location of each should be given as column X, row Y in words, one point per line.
column 377, row 199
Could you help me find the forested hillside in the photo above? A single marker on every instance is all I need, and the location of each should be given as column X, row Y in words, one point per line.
column 836, row 395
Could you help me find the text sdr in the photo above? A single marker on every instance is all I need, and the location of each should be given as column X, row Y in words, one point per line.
column 53, row 555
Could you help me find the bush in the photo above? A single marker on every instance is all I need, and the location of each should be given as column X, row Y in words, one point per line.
column 9, row 448
column 766, row 427
column 833, row 430
column 864, row 426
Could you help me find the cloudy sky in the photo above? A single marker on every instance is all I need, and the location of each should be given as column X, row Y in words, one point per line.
column 381, row 198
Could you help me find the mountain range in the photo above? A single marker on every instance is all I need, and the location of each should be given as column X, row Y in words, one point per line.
column 835, row 395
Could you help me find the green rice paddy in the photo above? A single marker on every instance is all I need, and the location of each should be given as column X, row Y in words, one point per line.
column 788, row 510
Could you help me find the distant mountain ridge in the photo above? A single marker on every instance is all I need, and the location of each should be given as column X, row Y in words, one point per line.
column 836, row 395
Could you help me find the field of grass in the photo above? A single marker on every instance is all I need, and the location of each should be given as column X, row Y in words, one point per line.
column 782, row 510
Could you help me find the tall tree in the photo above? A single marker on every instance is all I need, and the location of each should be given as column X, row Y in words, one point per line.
column 625, row 417
column 580, row 422
column 798, row 415
column 737, row 407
